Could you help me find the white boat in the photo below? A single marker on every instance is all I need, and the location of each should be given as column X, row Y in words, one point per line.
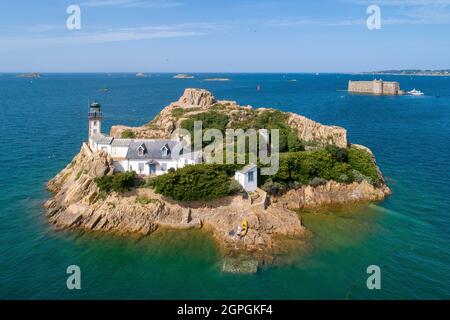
column 415, row 92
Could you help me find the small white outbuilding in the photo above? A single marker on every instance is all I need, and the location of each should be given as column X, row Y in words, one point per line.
column 248, row 177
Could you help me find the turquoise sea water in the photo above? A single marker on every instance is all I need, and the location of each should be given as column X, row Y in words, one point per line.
column 43, row 122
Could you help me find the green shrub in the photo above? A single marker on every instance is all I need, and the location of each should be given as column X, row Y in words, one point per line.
column 245, row 119
column 128, row 134
column 274, row 119
column 315, row 182
column 218, row 107
column 270, row 118
column 338, row 154
column 111, row 205
column 235, row 187
column 358, row 176
column 294, row 185
column 294, row 144
column 149, row 183
column 118, row 182
column 178, row 112
column 342, row 172
column 194, row 182
column 78, row 175
column 210, row 120
column 302, row 167
column 273, row 188
column 144, row 200
column 363, row 162
column 331, row 163
column 229, row 169
column 311, row 143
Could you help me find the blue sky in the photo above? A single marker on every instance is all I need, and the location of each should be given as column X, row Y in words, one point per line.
column 223, row 36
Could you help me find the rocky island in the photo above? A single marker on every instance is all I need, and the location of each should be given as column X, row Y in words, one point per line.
column 319, row 167
column 217, row 79
column 183, row 76
column 29, row 75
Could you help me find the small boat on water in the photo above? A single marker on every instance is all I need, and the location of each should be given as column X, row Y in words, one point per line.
column 415, row 92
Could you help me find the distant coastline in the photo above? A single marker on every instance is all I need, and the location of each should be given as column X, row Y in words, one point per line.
column 217, row 79
column 29, row 75
column 412, row 72
column 209, row 76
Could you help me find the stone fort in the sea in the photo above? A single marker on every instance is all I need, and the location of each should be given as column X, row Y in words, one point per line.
column 376, row 87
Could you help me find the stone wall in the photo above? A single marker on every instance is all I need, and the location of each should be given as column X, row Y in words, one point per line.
column 377, row 87
column 391, row 88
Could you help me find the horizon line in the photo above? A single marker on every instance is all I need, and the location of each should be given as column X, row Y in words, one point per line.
column 211, row 72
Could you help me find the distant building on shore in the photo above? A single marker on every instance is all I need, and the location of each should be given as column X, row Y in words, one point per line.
column 375, row 87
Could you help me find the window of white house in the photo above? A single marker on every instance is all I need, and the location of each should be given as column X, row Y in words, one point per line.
column 165, row 151
column 251, row 176
column 141, row 167
column 95, row 130
column 163, row 166
column 141, row 151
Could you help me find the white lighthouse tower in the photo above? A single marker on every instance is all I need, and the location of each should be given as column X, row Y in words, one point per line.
column 95, row 119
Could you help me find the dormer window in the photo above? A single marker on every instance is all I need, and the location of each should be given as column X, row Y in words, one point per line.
column 141, row 150
column 165, row 151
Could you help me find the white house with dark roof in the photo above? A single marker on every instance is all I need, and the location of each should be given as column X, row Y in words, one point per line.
column 144, row 156
column 152, row 156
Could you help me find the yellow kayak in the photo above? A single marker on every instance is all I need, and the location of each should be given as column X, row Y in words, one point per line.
column 244, row 228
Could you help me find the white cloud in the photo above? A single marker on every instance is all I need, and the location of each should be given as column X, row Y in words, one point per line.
column 12, row 43
column 42, row 28
column 394, row 12
column 132, row 3
column 316, row 22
